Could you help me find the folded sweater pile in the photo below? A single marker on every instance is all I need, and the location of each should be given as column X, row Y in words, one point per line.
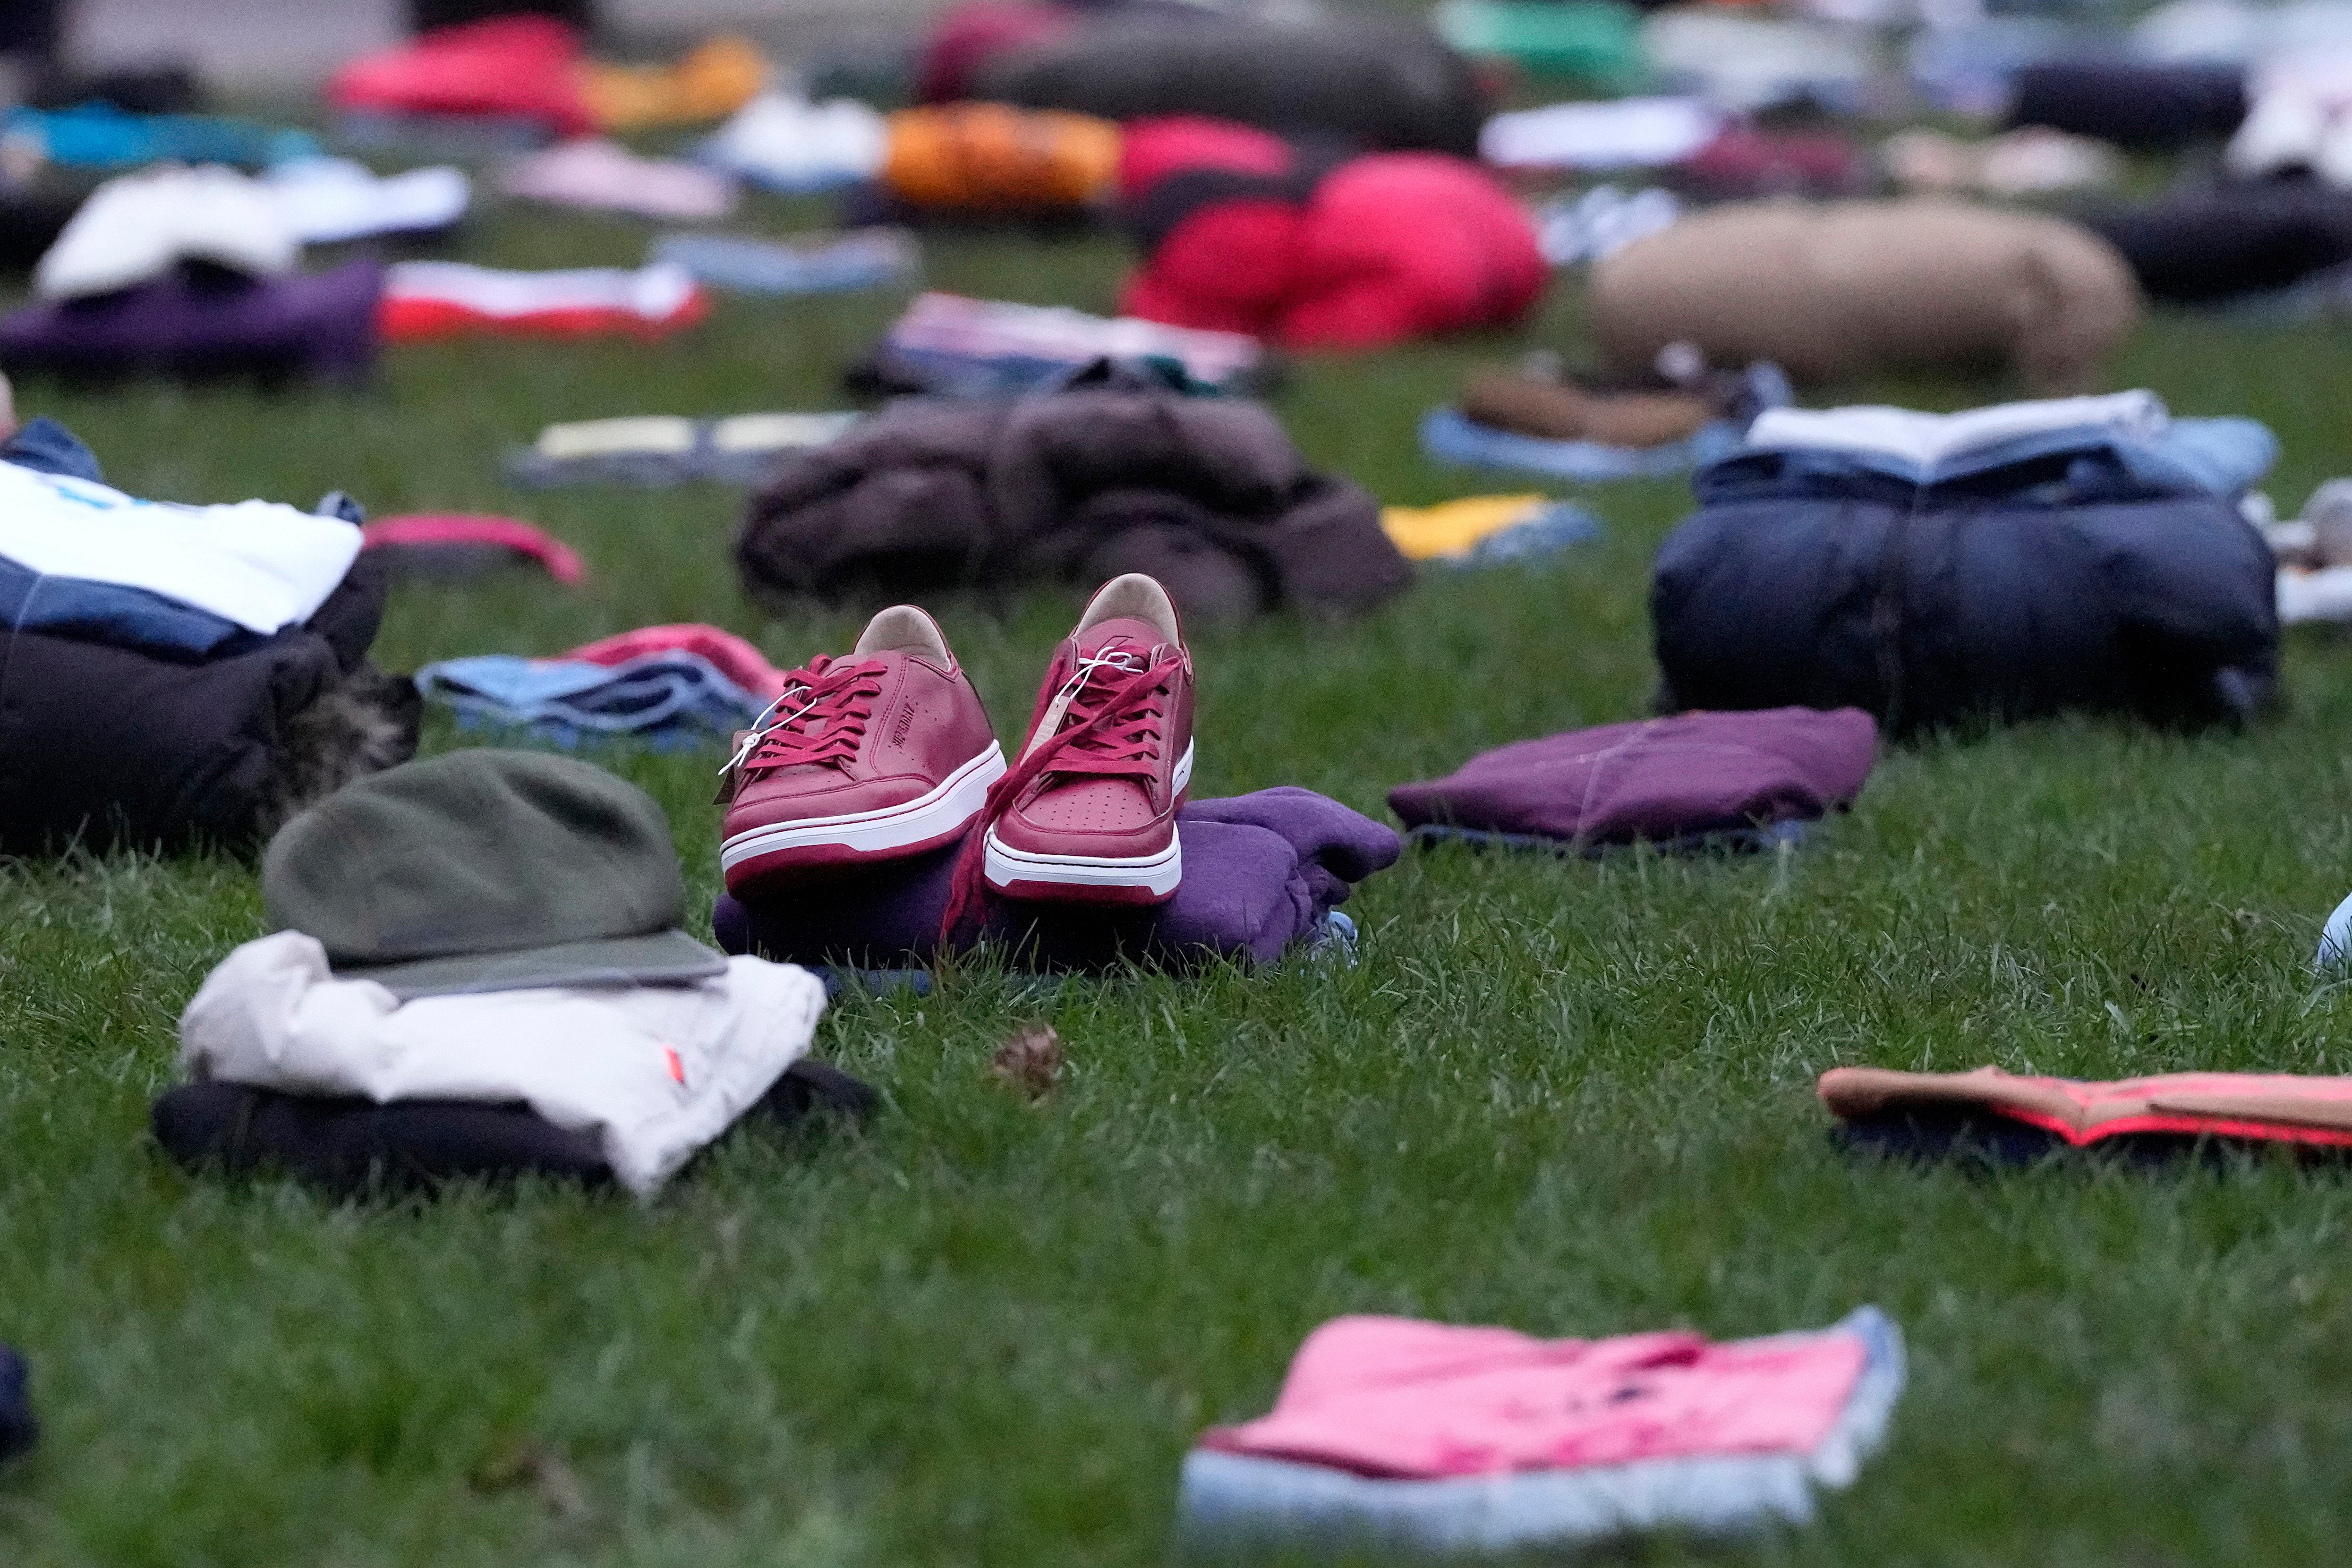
column 1206, row 494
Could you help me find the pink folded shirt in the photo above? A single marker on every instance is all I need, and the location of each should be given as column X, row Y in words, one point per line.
column 1397, row 1397
column 594, row 173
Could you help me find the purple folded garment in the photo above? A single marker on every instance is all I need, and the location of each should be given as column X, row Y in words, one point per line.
column 1261, row 872
column 202, row 326
column 1661, row 780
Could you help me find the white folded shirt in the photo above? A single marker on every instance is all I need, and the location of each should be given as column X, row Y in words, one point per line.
column 1631, row 132
column 261, row 563
column 327, row 200
column 652, row 1072
column 1930, row 438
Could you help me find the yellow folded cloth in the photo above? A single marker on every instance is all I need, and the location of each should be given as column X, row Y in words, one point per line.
column 1455, row 527
column 714, row 81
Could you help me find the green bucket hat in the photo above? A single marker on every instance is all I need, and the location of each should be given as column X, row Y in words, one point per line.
column 486, row 870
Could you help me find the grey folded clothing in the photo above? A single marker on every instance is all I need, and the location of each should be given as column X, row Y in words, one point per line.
column 656, row 452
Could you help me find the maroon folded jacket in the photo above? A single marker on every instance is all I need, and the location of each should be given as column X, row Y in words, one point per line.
column 1661, row 780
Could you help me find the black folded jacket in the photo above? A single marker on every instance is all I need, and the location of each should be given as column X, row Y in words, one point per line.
column 350, row 1145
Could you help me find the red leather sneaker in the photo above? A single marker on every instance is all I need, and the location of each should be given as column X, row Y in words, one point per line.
column 1088, row 813
column 880, row 755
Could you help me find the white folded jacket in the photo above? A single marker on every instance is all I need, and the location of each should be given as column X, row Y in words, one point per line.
column 259, row 563
column 1927, row 438
column 134, row 229
column 652, row 1072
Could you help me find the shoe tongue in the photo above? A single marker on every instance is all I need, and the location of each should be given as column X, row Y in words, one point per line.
column 1140, row 636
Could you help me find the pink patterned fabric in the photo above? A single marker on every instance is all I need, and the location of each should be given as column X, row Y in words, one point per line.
column 1393, row 1396
column 563, row 563
column 735, row 658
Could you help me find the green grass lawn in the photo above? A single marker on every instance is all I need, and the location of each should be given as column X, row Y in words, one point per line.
column 1574, row 1098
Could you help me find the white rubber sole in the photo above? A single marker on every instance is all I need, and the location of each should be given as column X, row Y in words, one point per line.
column 1156, row 877
column 941, row 814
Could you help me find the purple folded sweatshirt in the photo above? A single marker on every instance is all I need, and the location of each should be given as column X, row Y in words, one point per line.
column 1661, row 780
column 1261, row 872
column 197, row 326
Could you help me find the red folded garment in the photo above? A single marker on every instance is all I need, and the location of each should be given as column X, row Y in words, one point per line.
column 1153, row 149
column 521, row 66
column 1386, row 248
column 736, row 659
column 450, row 532
column 427, row 300
column 2278, row 1108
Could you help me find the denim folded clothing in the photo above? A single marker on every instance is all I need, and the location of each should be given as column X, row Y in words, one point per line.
column 1424, row 1440
column 654, row 451
column 18, row 1430
column 2002, row 1118
column 668, row 701
column 1488, row 531
column 947, row 343
column 1263, row 873
column 1661, row 780
column 454, row 544
column 1448, row 436
column 320, row 325
column 808, row 264
column 2082, row 569
column 102, row 136
column 2134, row 430
column 350, row 1145
column 259, row 564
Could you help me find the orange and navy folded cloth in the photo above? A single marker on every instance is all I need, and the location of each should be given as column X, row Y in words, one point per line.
column 2004, row 1117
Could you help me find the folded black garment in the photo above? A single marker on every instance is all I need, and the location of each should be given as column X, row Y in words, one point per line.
column 1391, row 85
column 2238, row 239
column 18, row 1430
column 351, row 1145
column 1965, row 1135
column 2152, row 107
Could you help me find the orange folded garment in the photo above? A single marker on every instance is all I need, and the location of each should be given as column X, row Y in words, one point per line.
column 992, row 157
column 2282, row 1107
column 711, row 83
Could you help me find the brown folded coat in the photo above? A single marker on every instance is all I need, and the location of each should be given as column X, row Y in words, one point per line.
column 1850, row 288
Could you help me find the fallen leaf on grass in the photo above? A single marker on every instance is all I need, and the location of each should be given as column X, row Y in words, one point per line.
column 1030, row 1061
column 555, row 1483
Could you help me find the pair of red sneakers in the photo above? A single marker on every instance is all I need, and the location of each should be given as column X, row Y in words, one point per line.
column 888, row 753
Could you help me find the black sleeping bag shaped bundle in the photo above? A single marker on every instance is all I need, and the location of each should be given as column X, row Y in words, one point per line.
column 2070, row 584
column 1382, row 85
column 104, row 745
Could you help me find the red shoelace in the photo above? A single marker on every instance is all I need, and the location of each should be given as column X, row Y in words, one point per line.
column 820, row 718
column 1112, row 726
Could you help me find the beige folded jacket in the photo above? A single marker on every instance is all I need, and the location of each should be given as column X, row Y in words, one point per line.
column 1850, row 288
